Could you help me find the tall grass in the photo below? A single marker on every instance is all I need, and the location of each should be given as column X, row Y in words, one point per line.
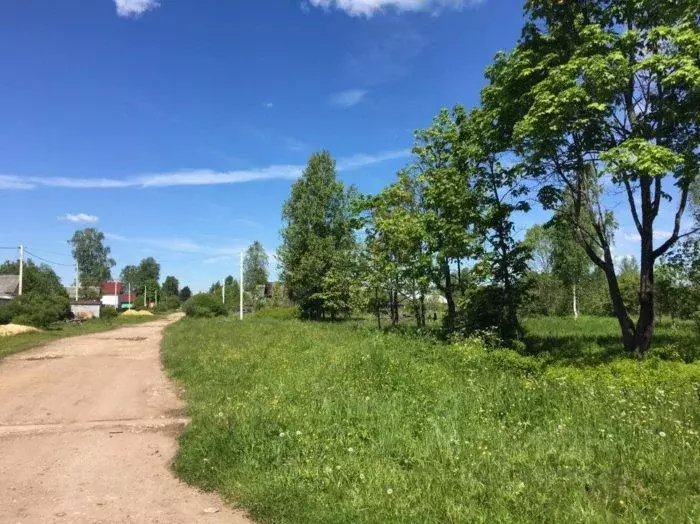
column 307, row 422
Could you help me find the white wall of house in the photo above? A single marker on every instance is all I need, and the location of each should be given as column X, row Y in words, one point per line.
column 110, row 300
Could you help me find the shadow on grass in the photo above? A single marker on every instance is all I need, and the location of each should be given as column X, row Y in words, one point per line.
column 593, row 350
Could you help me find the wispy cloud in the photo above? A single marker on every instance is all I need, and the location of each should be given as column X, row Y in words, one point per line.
column 218, row 260
column 113, row 236
column 658, row 235
column 185, row 246
column 359, row 161
column 135, row 8
column 268, row 105
column 197, row 177
column 348, row 98
column 370, row 7
column 80, row 218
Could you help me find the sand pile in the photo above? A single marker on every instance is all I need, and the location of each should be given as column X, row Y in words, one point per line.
column 15, row 329
column 134, row 313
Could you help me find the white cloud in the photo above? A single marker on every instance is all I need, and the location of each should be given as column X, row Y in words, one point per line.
column 658, row 235
column 118, row 238
column 360, row 160
column 80, row 218
column 370, row 7
column 268, row 105
column 348, row 98
column 217, row 260
column 662, row 234
column 196, row 177
column 135, row 8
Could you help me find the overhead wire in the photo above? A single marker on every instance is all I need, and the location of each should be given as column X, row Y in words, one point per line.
column 47, row 261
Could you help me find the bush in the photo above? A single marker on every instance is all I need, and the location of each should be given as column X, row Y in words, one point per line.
column 169, row 303
column 109, row 312
column 5, row 315
column 39, row 310
column 204, row 305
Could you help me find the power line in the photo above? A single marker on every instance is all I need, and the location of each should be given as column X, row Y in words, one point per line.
column 13, row 248
column 48, row 261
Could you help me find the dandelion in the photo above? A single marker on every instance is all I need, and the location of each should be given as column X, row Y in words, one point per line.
column 622, row 502
column 362, row 476
column 662, row 434
column 350, row 450
column 298, row 433
column 283, row 434
column 389, row 491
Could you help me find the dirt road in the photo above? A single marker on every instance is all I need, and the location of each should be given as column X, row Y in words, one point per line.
column 88, row 427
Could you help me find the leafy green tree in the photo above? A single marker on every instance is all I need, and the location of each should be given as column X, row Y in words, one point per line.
column 92, row 256
column 498, row 192
column 396, row 260
column 40, row 279
column 171, row 286
column 255, row 267
column 318, row 235
column 185, row 294
column 229, row 280
column 600, row 94
column 147, row 271
column 448, row 207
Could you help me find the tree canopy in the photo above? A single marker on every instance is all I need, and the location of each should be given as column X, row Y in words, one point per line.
column 92, row 256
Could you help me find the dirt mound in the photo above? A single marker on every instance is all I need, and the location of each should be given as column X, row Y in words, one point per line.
column 134, row 313
column 15, row 329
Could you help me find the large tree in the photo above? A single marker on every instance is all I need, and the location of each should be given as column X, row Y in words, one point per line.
column 146, row 272
column 185, row 294
column 92, row 256
column 602, row 95
column 317, row 237
column 255, row 267
column 171, row 286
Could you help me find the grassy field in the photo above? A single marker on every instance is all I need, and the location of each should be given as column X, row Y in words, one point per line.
column 309, row 422
column 21, row 342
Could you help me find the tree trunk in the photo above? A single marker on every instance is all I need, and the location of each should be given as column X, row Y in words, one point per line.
column 575, row 298
column 378, row 309
column 645, row 324
column 422, row 309
column 623, row 318
column 449, row 296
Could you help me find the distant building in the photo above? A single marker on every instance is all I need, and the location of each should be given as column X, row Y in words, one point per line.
column 9, row 288
column 110, row 293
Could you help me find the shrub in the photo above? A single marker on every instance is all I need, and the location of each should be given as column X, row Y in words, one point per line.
column 280, row 313
column 5, row 315
column 169, row 303
column 204, row 305
column 39, row 310
column 109, row 312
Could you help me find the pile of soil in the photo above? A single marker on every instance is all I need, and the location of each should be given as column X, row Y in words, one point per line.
column 15, row 329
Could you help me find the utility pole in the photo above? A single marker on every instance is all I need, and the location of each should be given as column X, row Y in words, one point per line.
column 77, row 282
column 223, row 291
column 156, row 298
column 240, row 306
column 21, row 269
column 145, row 297
column 130, row 295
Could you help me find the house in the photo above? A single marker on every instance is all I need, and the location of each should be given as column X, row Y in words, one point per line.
column 9, row 288
column 110, row 293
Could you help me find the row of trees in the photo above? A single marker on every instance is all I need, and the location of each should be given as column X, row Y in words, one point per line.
column 255, row 278
column 598, row 99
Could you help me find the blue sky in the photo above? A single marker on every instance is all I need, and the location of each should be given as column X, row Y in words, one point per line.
column 177, row 126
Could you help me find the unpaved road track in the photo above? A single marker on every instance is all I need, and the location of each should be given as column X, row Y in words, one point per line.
column 88, row 428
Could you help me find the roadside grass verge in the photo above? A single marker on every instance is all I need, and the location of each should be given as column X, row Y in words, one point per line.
column 24, row 341
column 312, row 422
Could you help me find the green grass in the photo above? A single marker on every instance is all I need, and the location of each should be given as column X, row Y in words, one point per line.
column 596, row 340
column 310, row 422
column 24, row 341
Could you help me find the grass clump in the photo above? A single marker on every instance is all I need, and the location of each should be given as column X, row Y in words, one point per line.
column 315, row 422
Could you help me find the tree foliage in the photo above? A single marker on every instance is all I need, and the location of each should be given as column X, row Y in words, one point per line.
column 255, row 264
column 171, row 286
column 317, row 239
column 92, row 256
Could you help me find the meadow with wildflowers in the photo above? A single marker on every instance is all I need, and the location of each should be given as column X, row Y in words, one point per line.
column 319, row 422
